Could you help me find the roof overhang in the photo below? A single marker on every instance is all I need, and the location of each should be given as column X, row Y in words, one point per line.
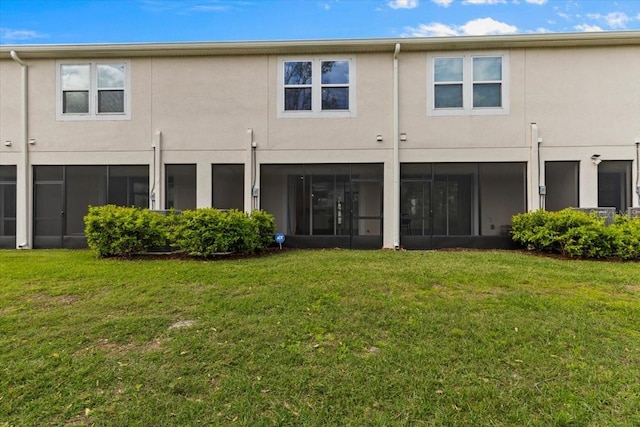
column 555, row 40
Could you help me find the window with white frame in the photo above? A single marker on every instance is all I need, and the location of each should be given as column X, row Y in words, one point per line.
column 93, row 91
column 468, row 84
column 316, row 87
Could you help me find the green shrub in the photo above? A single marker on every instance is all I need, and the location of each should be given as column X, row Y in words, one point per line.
column 120, row 231
column 123, row 231
column 588, row 241
column 206, row 232
column 547, row 231
column 626, row 237
column 577, row 234
column 266, row 227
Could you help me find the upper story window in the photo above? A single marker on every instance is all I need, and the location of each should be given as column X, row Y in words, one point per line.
column 93, row 91
column 468, row 85
column 316, row 87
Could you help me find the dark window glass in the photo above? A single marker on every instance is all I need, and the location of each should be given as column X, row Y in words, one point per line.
column 561, row 180
column 111, row 101
column 75, row 102
column 335, row 72
column 228, row 186
column 8, row 173
column 448, row 96
column 487, row 95
column 181, row 187
column 296, row 99
column 129, row 186
column 614, row 184
column 334, row 98
column 297, row 73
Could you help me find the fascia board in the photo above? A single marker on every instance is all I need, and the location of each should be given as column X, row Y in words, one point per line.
column 618, row 38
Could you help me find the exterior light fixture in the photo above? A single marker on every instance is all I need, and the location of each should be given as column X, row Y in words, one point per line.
column 403, row 137
column 596, row 159
column 7, row 143
column 379, row 138
column 32, row 141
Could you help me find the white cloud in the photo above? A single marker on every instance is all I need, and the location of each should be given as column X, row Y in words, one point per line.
column 443, row 3
column 484, row 26
column 538, row 2
column 184, row 7
column 483, row 1
column 403, row 4
column 613, row 19
column 477, row 27
column 8, row 35
column 435, row 29
column 588, row 28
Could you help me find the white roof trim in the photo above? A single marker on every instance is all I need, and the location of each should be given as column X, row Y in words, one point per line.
column 585, row 39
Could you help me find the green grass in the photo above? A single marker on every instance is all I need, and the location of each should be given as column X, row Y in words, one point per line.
column 319, row 338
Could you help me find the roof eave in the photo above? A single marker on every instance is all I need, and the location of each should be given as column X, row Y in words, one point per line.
column 618, row 38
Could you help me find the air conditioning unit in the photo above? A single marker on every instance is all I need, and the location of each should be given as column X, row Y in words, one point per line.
column 608, row 213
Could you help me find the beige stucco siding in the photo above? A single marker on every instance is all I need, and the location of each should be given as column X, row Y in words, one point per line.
column 205, row 104
column 568, row 97
column 584, row 97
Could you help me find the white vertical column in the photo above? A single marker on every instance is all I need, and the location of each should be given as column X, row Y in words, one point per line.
column 24, row 215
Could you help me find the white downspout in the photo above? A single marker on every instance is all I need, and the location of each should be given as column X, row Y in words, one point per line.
column 535, row 198
column 252, row 191
column 396, row 152
column 157, row 193
column 23, row 229
column 638, row 170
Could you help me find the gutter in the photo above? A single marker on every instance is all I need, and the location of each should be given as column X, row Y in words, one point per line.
column 24, row 176
column 396, row 152
column 295, row 47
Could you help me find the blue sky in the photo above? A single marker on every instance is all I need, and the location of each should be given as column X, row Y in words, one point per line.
column 124, row 21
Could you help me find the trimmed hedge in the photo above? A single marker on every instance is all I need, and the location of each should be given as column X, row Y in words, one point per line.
column 120, row 231
column 578, row 234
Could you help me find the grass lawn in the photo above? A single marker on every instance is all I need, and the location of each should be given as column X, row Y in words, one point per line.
column 319, row 338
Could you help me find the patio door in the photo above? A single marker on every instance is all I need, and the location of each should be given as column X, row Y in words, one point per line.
column 416, row 216
column 329, row 202
column 48, row 206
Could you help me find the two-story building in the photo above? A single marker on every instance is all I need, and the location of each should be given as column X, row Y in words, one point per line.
column 416, row 143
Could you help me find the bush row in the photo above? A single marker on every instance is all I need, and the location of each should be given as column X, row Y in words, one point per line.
column 122, row 231
column 578, row 234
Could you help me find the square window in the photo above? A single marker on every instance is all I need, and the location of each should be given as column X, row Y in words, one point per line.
column 297, row 99
column 487, row 68
column 468, row 84
column 110, row 76
column 335, row 98
column 297, row 73
column 111, row 101
column 448, row 69
column 316, row 87
column 93, row 91
column 335, row 72
column 448, row 96
column 487, row 95
column 75, row 102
